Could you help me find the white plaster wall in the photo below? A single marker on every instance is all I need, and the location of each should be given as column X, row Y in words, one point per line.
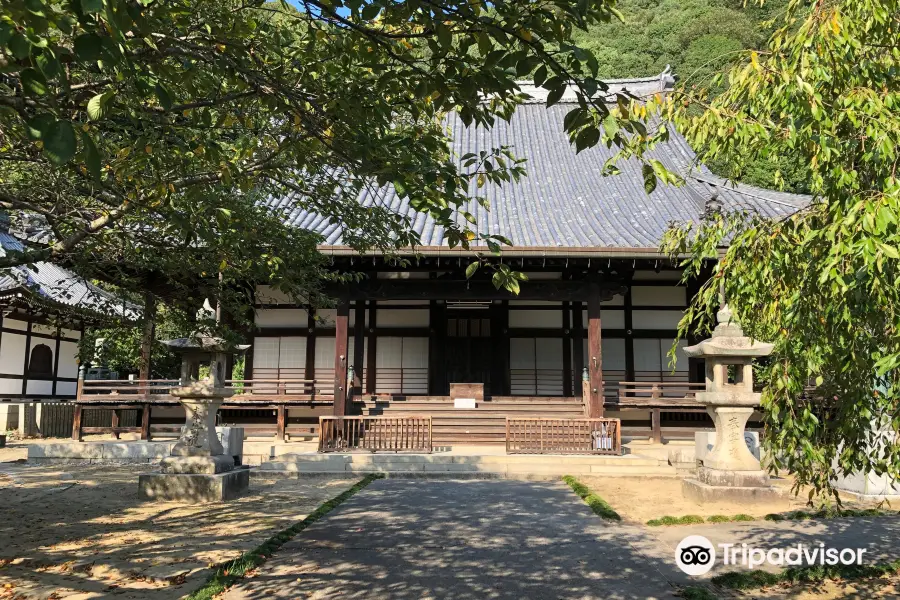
column 609, row 319
column 402, row 318
column 266, row 294
column 66, row 388
column 281, row 317
column 656, row 319
column 68, row 363
column 10, row 386
column 38, row 328
column 15, row 324
column 544, row 319
column 12, row 353
column 617, row 300
column 658, row 296
column 521, row 353
column 44, row 388
column 71, row 333
column 325, row 317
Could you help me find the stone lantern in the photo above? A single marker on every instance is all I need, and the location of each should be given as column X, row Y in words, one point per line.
column 730, row 471
column 198, row 468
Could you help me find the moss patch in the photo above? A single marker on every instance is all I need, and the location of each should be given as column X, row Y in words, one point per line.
column 600, row 506
column 696, row 592
column 695, row 519
column 227, row 574
column 827, row 513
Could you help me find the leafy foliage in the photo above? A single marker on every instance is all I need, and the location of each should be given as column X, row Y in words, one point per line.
column 821, row 284
column 147, row 136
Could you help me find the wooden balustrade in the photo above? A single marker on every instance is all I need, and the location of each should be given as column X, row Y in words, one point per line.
column 375, row 434
column 311, row 388
column 563, row 436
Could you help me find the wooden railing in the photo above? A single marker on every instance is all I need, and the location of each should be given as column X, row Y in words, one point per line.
column 400, row 380
column 98, row 388
column 375, row 434
column 563, row 436
column 655, row 392
column 129, row 387
column 537, row 382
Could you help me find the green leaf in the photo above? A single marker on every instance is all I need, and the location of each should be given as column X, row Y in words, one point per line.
column 555, row 94
column 649, row 178
column 96, row 106
column 36, row 127
column 91, row 6
column 88, row 47
column 445, row 36
column 91, row 156
column 540, row 75
column 20, row 46
column 59, row 142
column 165, row 98
column 370, row 11
column 587, row 138
column 470, row 270
column 33, row 82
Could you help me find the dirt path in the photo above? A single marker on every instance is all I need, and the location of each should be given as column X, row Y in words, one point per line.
column 81, row 532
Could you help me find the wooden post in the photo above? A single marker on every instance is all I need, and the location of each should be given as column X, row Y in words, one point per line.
column 282, row 418
column 577, row 346
column 76, row 424
column 656, row 425
column 147, row 340
column 595, row 359
column 568, row 375
column 115, row 422
column 79, row 387
column 359, row 344
column 371, row 374
column 340, row 358
column 145, row 422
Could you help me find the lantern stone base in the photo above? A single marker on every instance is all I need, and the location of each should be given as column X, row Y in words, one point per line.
column 194, row 487
column 719, row 485
column 209, row 465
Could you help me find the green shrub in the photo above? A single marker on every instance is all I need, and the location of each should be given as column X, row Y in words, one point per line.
column 600, row 506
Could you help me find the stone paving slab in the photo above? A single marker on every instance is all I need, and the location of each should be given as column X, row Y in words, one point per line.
column 408, row 539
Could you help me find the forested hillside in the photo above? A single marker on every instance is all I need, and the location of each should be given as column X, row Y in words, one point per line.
column 698, row 38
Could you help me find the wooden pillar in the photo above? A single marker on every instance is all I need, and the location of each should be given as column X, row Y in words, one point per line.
column 145, row 422
column 500, row 345
column 76, row 423
column 281, row 423
column 595, row 359
column 56, row 359
column 372, row 350
column 147, row 336
column 656, row 425
column 567, row 350
column 341, row 340
column 27, row 356
column 359, row 345
column 114, row 423
column 309, row 369
column 577, row 346
column 629, row 336
column 437, row 341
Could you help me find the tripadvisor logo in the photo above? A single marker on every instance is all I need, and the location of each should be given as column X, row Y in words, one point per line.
column 696, row 555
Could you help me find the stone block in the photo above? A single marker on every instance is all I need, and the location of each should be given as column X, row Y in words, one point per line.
column 209, row 465
column 389, row 458
column 138, row 451
column 703, row 493
column 705, row 440
column 723, row 477
column 193, row 488
column 445, row 467
column 76, row 450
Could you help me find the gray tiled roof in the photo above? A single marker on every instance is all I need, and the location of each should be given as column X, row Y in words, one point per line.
column 565, row 202
column 49, row 283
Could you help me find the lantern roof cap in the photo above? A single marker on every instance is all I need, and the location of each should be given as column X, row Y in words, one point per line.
column 203, row 344
column 728, row 339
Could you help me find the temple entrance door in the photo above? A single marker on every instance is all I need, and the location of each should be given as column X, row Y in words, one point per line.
column 468, row 351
